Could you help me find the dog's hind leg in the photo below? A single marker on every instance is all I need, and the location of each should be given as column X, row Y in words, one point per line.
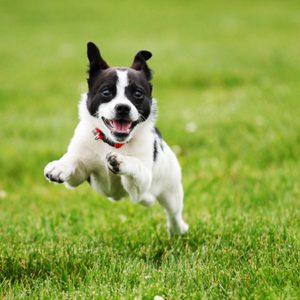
column 172, row 202
column 147, row 199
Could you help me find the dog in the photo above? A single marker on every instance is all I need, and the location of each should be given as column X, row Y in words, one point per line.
column 116, row 146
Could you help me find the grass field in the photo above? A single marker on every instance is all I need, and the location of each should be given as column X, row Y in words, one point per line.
column 227, row 81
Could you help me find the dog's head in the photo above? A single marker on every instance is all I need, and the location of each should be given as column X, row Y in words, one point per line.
column 120, row 98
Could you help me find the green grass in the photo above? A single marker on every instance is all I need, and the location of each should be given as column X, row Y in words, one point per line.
column 232, row 69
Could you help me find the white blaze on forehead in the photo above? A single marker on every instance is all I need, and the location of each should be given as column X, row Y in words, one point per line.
column 122, row 82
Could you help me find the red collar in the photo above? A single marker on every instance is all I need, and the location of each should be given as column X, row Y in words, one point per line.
column 99, row 135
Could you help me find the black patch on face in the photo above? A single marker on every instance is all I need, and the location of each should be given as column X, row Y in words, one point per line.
column 139, row 92
column 102, row 89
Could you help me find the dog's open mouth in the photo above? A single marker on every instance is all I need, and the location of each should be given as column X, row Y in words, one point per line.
column 120, row 128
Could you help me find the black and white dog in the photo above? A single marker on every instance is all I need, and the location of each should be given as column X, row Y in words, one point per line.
column 116, row 146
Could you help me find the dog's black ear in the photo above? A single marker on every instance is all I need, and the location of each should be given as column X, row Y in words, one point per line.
column 97, row 63
column 139, row 63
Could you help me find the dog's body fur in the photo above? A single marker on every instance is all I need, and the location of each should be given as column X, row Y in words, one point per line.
column 144, row 168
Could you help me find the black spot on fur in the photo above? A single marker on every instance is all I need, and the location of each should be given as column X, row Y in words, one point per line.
column 158, row 133
column 89, row 179
column 155, row 152
column 158, row 136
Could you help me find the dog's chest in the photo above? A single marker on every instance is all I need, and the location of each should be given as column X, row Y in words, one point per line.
column 105, row 182
column 101, row 179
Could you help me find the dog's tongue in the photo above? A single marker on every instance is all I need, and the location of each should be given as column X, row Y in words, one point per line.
column 119, row 126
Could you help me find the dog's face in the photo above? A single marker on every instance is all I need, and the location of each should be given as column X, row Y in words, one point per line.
column 120, row 98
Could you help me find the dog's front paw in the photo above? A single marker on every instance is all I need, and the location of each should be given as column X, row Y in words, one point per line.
column 115, row 163
column 57, row 171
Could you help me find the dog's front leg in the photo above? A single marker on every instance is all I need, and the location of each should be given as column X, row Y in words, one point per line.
column 135, row 175
column 69, row 169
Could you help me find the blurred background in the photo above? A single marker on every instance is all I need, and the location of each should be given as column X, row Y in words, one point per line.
column 226, row 77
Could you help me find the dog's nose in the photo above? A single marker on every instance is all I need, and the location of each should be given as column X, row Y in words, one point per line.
column 122, row 109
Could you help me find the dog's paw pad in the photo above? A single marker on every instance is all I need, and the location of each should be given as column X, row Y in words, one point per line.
column 114, row 162
column 58, row 172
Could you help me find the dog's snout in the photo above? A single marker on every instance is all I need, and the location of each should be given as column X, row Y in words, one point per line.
column 122, row 109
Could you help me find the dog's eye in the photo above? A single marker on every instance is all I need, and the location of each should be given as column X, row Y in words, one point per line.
column 138, row 94
column 106, row 93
